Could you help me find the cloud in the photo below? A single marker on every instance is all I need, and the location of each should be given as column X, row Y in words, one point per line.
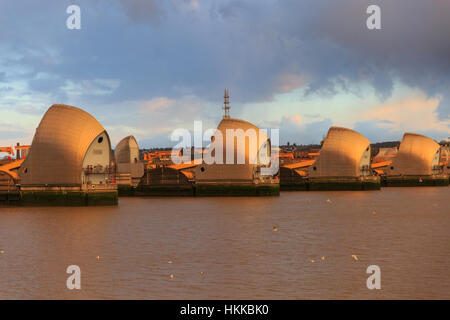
column 294, row 121
column 294, row 130
column 190, row 4
column 157, row 141
column 415, row 53
column 378, row 131
column 248, row 46
column 93, row 87
column 149, row 11
column 129, row 53
column 412, row 113
column 154, row 120
column 158, row 103
column 10, row 133
column 289, row 82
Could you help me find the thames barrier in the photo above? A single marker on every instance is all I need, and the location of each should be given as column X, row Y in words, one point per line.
column 71, row 163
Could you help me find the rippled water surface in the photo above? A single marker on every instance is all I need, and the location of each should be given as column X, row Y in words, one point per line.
column 228, row 247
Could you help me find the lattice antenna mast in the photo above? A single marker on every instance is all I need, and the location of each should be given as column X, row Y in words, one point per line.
column 226, row 104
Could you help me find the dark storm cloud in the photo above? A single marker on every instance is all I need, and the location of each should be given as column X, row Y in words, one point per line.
column 173, row 48
column 148, row 11
column 413, row 44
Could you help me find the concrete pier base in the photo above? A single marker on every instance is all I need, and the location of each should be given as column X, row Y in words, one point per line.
column 203, row 189
column 344, row 183
column 100, row 195
column 416, row 181
column 231, row 189
column 332, row 183
column 294, row 186
column 159, row 190
column 9, row 198
column 68, row 199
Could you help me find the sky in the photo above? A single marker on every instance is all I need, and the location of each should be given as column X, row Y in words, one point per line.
column 148, row 67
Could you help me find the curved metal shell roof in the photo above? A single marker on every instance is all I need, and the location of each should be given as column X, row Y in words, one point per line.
column 235, row 124
column 59, row 146
column 233, row 171
column 415, row 155
column 341, row 154
column 122, row 151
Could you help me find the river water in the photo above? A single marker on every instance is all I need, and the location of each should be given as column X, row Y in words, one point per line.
column 296, row 246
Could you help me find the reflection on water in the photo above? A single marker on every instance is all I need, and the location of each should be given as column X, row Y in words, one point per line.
column 229, row 248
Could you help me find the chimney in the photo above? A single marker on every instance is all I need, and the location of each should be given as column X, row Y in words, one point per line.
column 18, row 153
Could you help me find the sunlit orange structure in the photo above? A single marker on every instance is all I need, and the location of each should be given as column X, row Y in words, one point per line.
column 70, row 160
column 9, row 191
column 239, row 167
column 380, row 167
column 417, row 163
column 8, row 150
column 129, row 167
column 343, row 163
column 292, row 176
